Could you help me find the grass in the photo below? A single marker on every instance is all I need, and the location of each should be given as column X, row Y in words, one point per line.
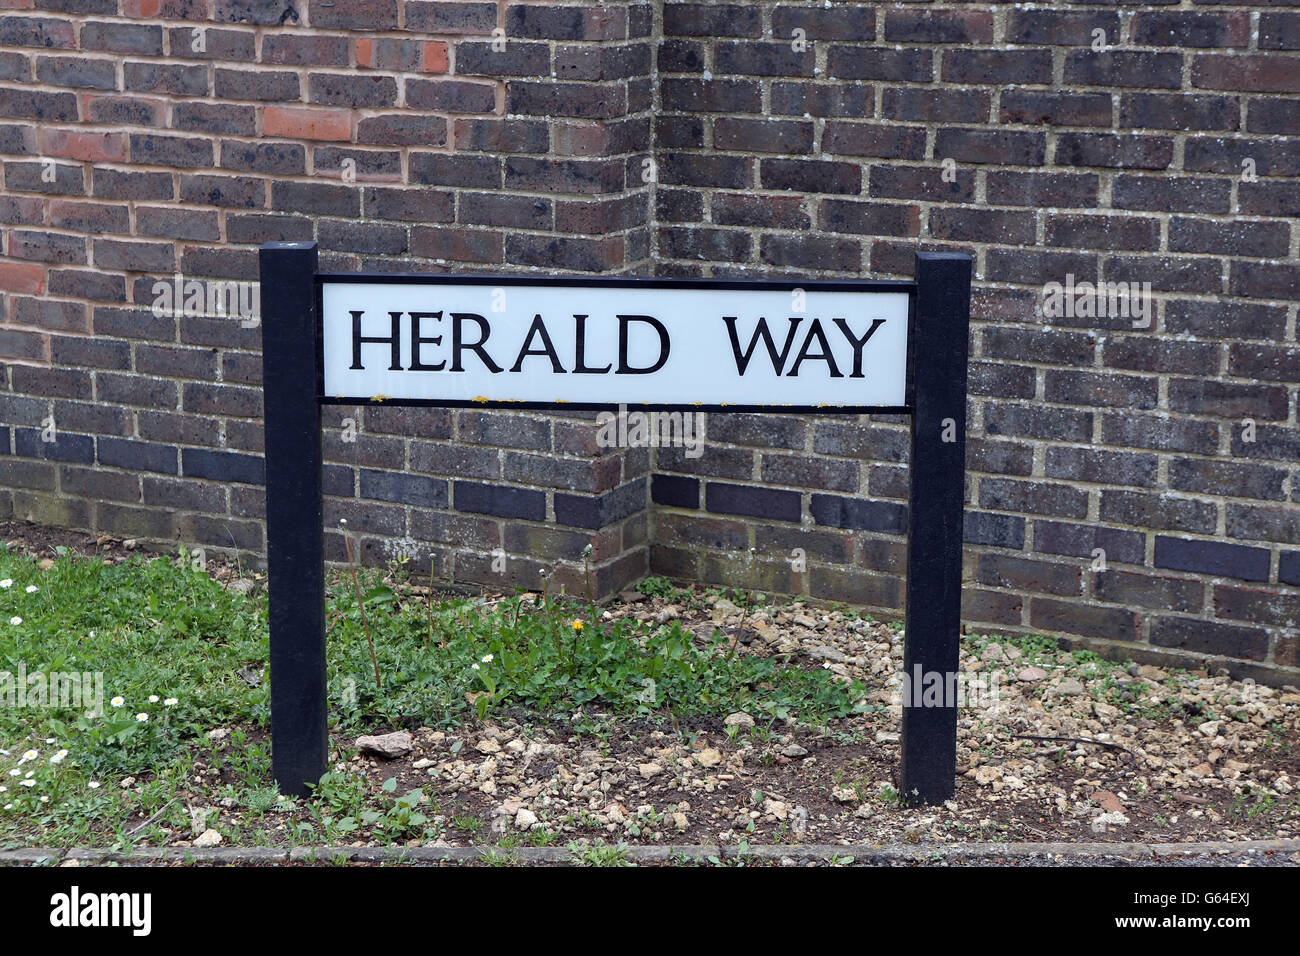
column 182, row 664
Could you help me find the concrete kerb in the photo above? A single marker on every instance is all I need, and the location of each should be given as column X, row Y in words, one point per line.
column 861, row 853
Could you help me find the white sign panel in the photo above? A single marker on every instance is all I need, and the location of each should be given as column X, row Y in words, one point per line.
column 612, row 343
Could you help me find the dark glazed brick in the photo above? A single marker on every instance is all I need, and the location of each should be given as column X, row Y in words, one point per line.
column 596, row 512
column 675, row 491
column 1081, row 540
column 500, row 500
column 769, row 503
column 859, row 514
column 998, row 531
column 137, row 455
column 223, row 466
column 1209, row 637
column 28, row 443
column 1212, row 557
column 1066, row 616
column 1288, row 568
column 403, row 488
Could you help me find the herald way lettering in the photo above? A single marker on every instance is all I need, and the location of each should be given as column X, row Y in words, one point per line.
column 471, row 334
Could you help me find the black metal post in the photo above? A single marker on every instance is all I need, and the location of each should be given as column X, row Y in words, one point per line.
column 295, row 537
column 927, row 773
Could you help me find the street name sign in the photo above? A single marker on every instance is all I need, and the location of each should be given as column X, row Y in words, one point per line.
column 528, row 341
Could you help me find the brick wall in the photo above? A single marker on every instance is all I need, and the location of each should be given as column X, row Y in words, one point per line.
column 1147, row 143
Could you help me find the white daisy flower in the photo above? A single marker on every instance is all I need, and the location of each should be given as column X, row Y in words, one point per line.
column 15, row 620
column 118, row 701
column 142, row 717
column 153, row 698
column 15, row 772
column 4, row 789
column 32, row 589
column 9, row 806
column 59, row 757
column 7, row 583
column 475, row 667
column 93, row 785
column 45, row 799
column 170, row 702
column 29, row 774
column 29, row 783
column 30, row 755
column 487, row 659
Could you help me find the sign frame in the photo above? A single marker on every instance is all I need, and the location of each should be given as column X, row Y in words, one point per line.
column 625, row 282
column 293, row 391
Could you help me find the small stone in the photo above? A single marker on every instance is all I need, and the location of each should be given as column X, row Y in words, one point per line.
column 648, row 770
column 1108, row 801
column 739, row 719
column 422, row 763
column 777, row 808
column 388, row 746
column 680, row 823
column 208, row 837
column 1031, row 674
column 1068, row 688
column 992, row 652
column 709, row 757
column 525, row 819
column 1105, row 712
column 488, row 746
column 844, row 795
column 794, row 751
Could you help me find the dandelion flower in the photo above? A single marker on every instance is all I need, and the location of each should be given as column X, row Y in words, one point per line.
column 118, row 701
column 487, row 659
column 32, row 589
column 577, row 625
column 142, row 717
column 93, row 785
column 15, row 620
column 30, row 755
column 59, row 757
column 153, row 698
column 170, row 702
column 7, row 583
